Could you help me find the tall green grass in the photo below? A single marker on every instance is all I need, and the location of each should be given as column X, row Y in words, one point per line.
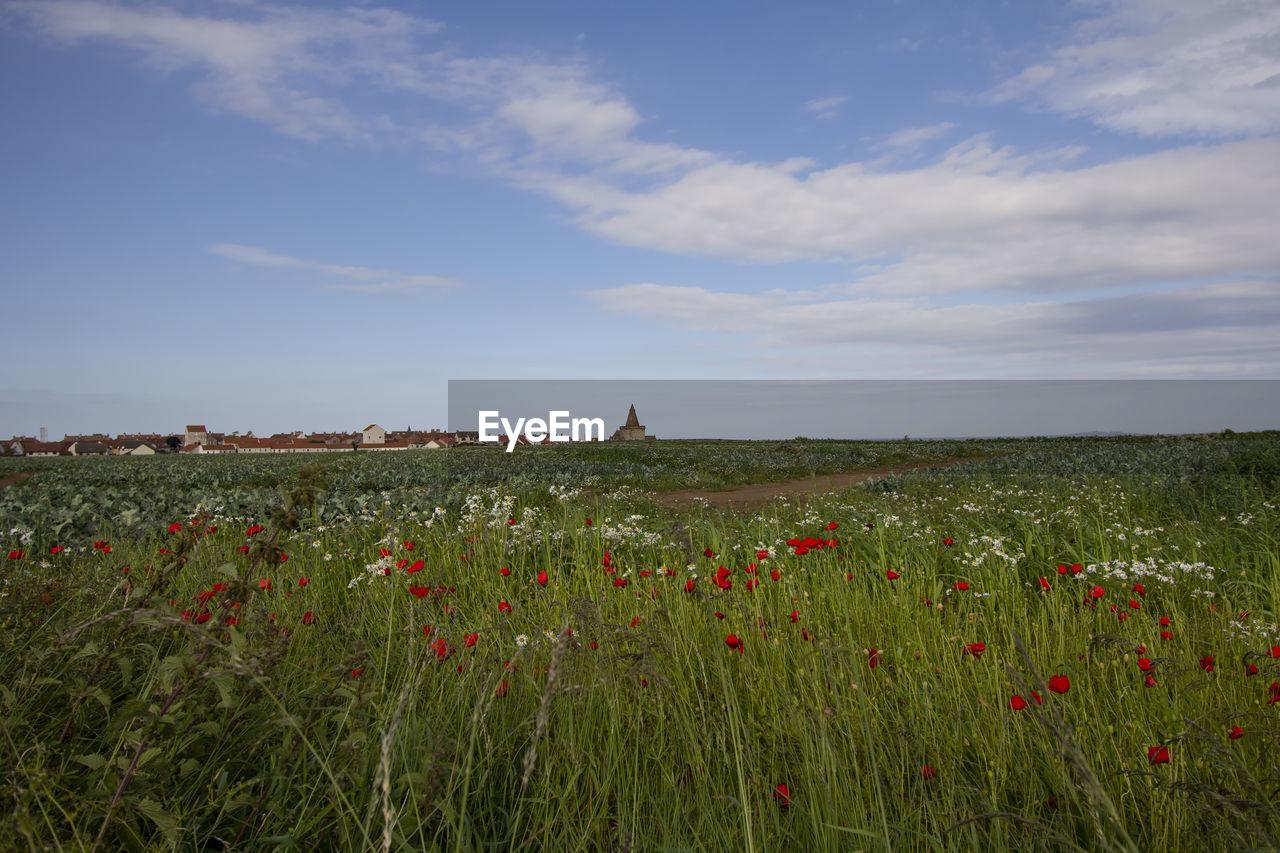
column 126, row 725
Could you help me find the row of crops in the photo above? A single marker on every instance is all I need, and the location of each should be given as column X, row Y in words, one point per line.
column 89, row 496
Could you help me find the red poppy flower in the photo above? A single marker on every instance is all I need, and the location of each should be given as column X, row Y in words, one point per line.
column 635, row 621
column 1164, row 621
column 15, row 555
column 948, row 542
column 470, row 639
column 384, row 552
column 961, row 586
column 1134, row 605
column 503, row 607
column 1059, row 683
column 619, row 581
column 928, row 772
column 775, row 574
column 356, row 673
column 542, row 578
column 607, row 560
column 106, row 549
column 175, row 527
column 1158, row 754
column 1017, row 703
column 308, row 618
column 400, row 564
column 733, row 642
column 416, row 567
column 254, row 530
column 1236, row 733
column 719, row 615
column 1150, row 681
column 420, row 591
column 801, row 550
column 752, row 584
column 1062, row 568
column 782, row 794
column 1144, row 664
column 891, row 574
column 1139, row 589
column 832, row 526
column 56, row 549
column 795, row 616
column 1036, row 695
column 1076, row 568
column 284, row 558
column 1097, row 592
column 243, row 549
column 588, row 522
column 975, row 649
column 873, row 657
column 690, row 585
column 707, row 552
column 1206, row 663
column 265, row 583
column 762, row 555
column 1252, row 669
column 504, row 571
column 1275, row 652
column 502, row 690
column 1275, row 693
column 1166, row 635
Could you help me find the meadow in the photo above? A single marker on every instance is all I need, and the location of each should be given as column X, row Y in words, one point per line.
column 1070, row 644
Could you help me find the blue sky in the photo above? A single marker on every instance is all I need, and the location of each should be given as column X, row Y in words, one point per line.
column 270, row 216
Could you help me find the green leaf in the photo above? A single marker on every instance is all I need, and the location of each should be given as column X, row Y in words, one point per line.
column 161, row 818
column 93, row 762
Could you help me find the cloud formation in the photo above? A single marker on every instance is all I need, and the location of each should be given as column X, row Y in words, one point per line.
column 927, row 246
column 1211, row 330
column 365, row 279
column 1207, row 68
column 826, row 107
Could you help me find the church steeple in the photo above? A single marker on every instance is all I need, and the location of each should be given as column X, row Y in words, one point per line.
column 632, row 420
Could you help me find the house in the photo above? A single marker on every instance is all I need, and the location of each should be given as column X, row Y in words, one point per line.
column 373, row 434
column 41, row 448
column 196, row 434
column 135, row 447
column 214, row 448
column 88, row 448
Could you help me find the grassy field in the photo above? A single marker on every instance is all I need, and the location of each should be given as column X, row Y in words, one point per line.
column 1069, row 645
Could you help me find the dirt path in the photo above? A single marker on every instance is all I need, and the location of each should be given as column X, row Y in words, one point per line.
column 14, row 479
column 761, row 493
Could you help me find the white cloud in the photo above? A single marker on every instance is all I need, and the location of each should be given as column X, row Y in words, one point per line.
column 914, row 137
column 826, row 107
column 979, row 218
column 1161, row 67
column 367, row 279
column 1226, row 329
column 270, row 68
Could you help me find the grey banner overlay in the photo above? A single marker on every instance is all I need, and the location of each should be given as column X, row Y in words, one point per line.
column 880, row 409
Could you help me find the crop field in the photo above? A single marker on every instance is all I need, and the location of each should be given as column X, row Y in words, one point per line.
column 1066, row 644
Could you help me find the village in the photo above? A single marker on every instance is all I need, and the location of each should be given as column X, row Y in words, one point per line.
column 196, row 439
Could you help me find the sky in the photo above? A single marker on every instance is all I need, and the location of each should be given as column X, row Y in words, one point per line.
column 267, row 216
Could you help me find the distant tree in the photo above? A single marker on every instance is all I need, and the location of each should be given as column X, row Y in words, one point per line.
column 174, row 442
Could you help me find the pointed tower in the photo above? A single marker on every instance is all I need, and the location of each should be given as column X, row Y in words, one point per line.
column 632, row 430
